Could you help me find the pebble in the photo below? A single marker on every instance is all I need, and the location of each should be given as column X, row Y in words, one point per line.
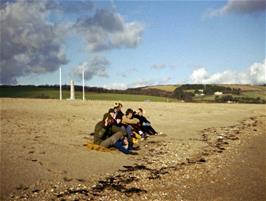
column 160, row 164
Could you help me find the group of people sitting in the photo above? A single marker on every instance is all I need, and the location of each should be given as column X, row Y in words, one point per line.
column 122, row 131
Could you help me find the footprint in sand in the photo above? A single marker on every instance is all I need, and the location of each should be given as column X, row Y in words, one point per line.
column 22, row 187
column 67, row 179
column 81, row 180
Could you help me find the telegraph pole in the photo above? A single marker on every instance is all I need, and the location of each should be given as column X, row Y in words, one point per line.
column 60, row 80
column 83, row 83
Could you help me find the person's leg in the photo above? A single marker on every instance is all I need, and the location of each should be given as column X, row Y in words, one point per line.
column 112, row 140
column 115, row 129
column 129, row 130
column 151, row 130
column 129, row 137
column 120, row 147
column 145, row 129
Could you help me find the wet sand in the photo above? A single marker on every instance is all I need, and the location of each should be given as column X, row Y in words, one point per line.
column 43, row 157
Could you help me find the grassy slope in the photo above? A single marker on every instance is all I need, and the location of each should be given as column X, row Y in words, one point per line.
column 30, row 92
column 169, row 88
column 245, row 87
column 252, row 91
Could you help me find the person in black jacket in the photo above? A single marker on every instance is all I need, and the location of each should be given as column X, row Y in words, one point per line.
column 145, row 124
column 108, row 135
column 118, row 110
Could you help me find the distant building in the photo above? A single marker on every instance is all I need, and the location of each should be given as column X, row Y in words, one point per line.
column 218, row 93
column 201, row 90
column 200, row 94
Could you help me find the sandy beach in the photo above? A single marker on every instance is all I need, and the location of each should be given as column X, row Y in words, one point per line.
column 207, row 152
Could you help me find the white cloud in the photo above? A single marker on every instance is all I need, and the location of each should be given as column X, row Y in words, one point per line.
column 30, row 44
column 107, row 29
column 70, row 6
column 150, row 82
column 255, row 74
column 199, row 75
column 138, row 83
column 120, row 86
column 95, row 67
column 240, row 7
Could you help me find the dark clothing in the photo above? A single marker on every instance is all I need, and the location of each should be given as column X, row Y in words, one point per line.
column 119, row 145
column 148, row 129
column 129, row 133
column 107, row 135
column 145, row 125
column 141, row 119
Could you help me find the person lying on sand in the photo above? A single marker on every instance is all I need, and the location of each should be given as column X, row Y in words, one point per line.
column 107, row 135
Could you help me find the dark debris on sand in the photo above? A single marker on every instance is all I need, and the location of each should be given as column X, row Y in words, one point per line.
column 156, row 166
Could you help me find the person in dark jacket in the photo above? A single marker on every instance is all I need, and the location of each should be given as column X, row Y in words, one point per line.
column 107, row 134
column 144, row 123
column 118, row 109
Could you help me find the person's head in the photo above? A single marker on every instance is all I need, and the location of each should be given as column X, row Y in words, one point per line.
column 140, row 111
column 107, row 118
column 129, row 113
column 111, row 111
column 118, row 106
column 119, row 118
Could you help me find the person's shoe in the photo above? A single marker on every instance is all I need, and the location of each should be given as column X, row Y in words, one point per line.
column 133, row 153
column 147, row 135
column 135, row 148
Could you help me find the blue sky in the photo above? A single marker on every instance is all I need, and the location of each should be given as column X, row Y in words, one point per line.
column 174, row 42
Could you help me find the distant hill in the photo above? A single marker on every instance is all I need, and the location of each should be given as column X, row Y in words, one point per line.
column 168, row 88
column 241, row 93
column 186, row 92
column 92, row 93
column 243, row 87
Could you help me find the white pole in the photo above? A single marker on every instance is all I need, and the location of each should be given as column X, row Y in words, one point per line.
column 83, row 83
column 72, row 90
column 60, row 75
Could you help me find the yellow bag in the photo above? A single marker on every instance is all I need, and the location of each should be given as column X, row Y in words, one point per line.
column 134, row 140
column 138, row 136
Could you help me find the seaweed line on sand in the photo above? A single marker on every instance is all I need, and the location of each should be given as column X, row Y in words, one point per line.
column 128, row 181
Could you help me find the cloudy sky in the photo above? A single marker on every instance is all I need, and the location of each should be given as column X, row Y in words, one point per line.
column 123, row 44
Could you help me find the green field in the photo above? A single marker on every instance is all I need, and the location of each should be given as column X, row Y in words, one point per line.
column 253, row 94
column 169, row 88
column 53, row 93
column 50, row 93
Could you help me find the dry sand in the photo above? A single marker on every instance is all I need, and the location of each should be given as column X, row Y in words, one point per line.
column 43, row 157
